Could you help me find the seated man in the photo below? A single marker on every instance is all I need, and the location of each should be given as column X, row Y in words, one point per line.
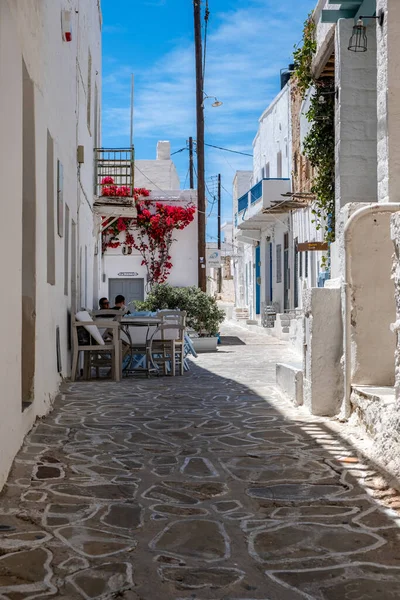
column 104, row 304
column 120, row 304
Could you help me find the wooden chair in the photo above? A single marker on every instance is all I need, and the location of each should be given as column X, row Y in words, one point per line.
column 166, row 348
column 88, row 345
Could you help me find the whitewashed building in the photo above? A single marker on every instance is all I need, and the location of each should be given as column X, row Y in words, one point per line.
column 50, row 80
column 124, row 274
column 350, row 359
column 220, row 282
column 270, row 273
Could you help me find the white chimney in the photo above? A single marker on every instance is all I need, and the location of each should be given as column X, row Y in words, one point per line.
column 163, row 151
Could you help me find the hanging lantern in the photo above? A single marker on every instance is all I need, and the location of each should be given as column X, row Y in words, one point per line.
column 358, row 41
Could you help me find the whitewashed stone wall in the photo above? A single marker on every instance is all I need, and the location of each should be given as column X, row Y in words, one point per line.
column 355, row 119
column 31, row 32
column 388, row 64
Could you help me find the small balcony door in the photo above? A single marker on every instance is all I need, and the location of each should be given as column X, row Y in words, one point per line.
column 286, row 272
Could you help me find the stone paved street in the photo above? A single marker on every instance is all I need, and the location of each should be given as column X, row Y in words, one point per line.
column 206, row 486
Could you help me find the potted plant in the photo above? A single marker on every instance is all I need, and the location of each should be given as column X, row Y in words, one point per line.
column 203, row 314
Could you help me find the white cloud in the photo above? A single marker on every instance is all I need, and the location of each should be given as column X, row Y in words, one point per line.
column 246, row 49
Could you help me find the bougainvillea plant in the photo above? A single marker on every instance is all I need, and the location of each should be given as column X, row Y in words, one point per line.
column 150, row 233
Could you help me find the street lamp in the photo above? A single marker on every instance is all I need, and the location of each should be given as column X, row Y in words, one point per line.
column 215, row 104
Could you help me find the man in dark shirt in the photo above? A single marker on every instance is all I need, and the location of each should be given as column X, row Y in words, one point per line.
column 120, row 304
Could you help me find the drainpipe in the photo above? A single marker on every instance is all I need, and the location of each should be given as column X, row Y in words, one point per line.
column 359, row 214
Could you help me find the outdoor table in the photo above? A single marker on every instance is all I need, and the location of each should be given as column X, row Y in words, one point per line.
column 142, row 321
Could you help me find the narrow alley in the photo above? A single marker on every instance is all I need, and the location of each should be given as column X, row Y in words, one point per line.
column 208, row 486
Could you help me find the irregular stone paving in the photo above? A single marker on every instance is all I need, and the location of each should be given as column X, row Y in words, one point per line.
column 208, row 486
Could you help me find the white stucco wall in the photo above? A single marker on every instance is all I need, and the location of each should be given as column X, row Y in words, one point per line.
column 32, row 31
column 322, row 351
column 273, row 136
column 388, row 43
column 372, row 304
column 157, row 174
column 355, row 119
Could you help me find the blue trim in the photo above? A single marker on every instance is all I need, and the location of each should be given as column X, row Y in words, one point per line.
column 243, row 202
column 258, row 285
column 256, row 192
column 270, row 273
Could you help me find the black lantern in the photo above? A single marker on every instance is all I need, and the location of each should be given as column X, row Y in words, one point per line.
column 358, row 41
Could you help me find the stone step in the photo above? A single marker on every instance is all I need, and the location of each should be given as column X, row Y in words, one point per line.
column 289, row 379
column 369, row 403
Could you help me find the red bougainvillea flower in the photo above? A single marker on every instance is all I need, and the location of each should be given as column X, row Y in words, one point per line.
column 151, row 232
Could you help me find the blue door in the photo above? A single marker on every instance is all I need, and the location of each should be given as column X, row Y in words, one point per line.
column 258, row 280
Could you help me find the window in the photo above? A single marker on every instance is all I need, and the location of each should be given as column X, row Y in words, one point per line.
column 51, row 262
column 267, row 175
column 279, row 165
column 66, row 252
column 296, row 275
column 263, row 173
column 300, row 264
column 306, row 264
column 60, row 199
column 279, row 263
column 96, row 118
column 89, row 93
column 307, row 169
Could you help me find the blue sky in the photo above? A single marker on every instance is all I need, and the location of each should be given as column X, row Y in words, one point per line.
column 248, row 43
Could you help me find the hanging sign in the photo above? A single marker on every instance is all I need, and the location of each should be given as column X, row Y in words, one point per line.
column 214, row 258
column 312, row 246
column 127, row 274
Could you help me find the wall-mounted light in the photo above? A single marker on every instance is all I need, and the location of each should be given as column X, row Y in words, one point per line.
column 359, row 41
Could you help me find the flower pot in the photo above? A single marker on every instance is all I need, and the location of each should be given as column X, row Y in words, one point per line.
column 205, row 344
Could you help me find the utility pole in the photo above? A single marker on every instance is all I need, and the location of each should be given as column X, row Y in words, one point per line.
column 219, row 234
column 201, row 196
column 191, row 179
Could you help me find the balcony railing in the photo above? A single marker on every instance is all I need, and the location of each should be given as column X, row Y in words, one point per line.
column 117, row 163
column 256, row 192
column 270, row 191
column 243, row 202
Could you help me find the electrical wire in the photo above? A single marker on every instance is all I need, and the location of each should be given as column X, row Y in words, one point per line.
column 229, row 150
column 177, row 151
column 229, row 193
column 186, row 178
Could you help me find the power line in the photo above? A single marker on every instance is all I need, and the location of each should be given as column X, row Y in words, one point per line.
column 229, row 150
column 177, row 151
column 229, row 193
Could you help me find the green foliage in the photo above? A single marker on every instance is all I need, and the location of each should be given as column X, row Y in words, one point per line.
column 203, row 314
column 319, row 147
column 319, row 144
column 303, row 56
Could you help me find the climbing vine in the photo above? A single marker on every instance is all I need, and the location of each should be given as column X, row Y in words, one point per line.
column 303, row 56
column 319, row 143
